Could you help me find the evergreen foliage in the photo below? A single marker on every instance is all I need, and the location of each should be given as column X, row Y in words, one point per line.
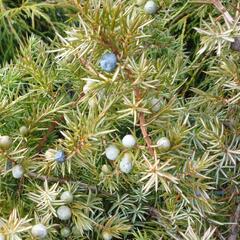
column 117, row 122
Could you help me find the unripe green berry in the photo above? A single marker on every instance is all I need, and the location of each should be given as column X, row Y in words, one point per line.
column 86, row 88
column 23, row 131
column 129, row 141
column 2, row 237
column 65, row 232
column 105, row 169
column 150, row 7
column 76, row 231
column 155, row 104
column 5, row 142
column 112, row 152
column 17, row 171
column 64, row 213
column 67, row 197
column 126, row 163
column 140, row 2
column 39, row 231
column 92, row 102
column 106, row 235
column 163, row 143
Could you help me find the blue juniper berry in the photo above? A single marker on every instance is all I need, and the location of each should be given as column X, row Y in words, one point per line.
column 219, row 193
column 60, row 156
column 198, row 193
column 108, row 62
column 9, row 165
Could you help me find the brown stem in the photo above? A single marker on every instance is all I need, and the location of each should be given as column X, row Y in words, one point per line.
column 145, row 133
column 219, row 6
column 88, row 66
column 65, row 180
column 235, row 219
column 51, row 128
column 143, row 125
column 142, row 122
column 61, row 180
column 230, row 197
column 20, row 187
column 54, row 124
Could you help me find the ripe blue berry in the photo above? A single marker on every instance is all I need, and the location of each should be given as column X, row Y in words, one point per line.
column 219, row 193
column 108, row 62
column 9, row 165
column 198, row 193
column 236, row 44
column 60, row 156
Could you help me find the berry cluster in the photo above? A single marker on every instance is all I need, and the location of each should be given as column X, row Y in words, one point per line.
column 112, row 152
column 64, row 213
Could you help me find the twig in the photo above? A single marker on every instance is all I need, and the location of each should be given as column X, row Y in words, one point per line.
column 20, row 187
column 226, row 15
column 230, row 197
column 91, row 68
column 235, row 219
column 51, row 128
column 142, row 122
column 143, row 125
column 61, row 180
column 54, row 124
column 145, row 133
